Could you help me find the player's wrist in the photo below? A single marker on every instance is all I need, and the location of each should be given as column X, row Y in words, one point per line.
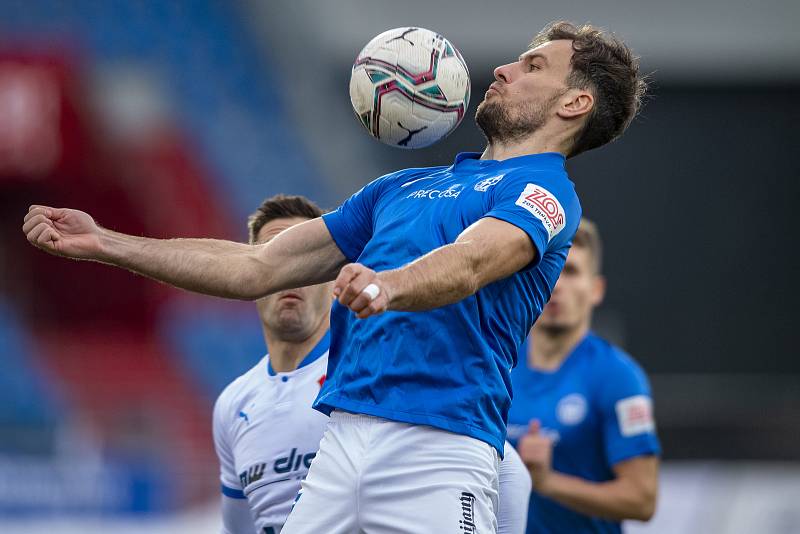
column 389, row 282
column 112, row 247
column 542, row 479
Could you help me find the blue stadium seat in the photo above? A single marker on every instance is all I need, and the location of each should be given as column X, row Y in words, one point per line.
column 224, row 91
column 216, row 343
column 27, row 398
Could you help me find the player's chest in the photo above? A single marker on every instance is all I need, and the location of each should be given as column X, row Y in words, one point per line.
column 451, row 199
column 567, row 412
column 276, row 434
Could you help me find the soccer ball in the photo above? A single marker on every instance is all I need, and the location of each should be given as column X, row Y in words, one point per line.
column 409, row 87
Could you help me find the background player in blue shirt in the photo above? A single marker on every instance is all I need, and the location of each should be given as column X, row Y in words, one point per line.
column 473, row 249
column 582, row 411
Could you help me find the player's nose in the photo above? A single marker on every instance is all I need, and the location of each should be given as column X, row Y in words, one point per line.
column 503, row 73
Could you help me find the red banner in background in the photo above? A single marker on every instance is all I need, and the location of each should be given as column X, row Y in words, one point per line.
column 30, row 111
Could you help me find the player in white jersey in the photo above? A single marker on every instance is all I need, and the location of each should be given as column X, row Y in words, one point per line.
column 265, row 432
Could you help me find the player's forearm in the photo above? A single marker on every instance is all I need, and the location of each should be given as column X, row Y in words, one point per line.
column 213, row 267
column 441, row 277
column 615, row 500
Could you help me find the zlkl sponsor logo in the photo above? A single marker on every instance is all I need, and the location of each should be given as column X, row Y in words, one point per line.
column 544, row 206
column 467, row 521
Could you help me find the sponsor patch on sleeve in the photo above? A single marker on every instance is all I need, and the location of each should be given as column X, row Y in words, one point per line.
column 544, row 206
column 635, row 415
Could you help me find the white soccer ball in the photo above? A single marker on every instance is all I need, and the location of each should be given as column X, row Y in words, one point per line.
column 409, row 87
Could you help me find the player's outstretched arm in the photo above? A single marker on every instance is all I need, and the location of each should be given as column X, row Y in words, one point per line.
column 302, row 255
column 489, row 250
column 630, row 495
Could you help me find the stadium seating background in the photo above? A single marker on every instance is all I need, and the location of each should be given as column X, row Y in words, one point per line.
column 176, row 118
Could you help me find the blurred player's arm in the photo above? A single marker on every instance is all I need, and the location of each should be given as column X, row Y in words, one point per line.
column 631, row 495
column 489, row 250
column 236, row 517
column 302, row 255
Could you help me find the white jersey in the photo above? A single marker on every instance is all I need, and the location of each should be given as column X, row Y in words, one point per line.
column 266, row 434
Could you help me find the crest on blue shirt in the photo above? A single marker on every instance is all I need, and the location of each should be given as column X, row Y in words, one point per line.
column 571, row 410
column 485, row 184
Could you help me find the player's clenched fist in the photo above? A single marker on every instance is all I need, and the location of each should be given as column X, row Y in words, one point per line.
column 536, row 451
column 62, row 231
column 359, row 288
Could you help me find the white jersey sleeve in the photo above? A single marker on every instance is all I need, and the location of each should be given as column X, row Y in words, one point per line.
column 231, row 487
column 515, row 490
column 236, row 517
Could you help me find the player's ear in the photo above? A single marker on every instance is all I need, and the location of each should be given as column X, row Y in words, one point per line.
column 575, row 103
column 598, row 289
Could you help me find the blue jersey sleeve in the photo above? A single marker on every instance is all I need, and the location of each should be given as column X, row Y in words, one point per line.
column 627, row 411
column 350, row 224
column 545, row 208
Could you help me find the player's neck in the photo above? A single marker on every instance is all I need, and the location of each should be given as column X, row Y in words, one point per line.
column 549, row 348
column 286, row 355
column 537, row 143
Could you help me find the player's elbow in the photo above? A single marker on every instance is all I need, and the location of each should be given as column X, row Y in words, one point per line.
column 645, row 507
column 474, row 274
column 470, row 283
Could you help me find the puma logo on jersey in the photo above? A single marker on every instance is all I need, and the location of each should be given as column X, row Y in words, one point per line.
column 415, row 181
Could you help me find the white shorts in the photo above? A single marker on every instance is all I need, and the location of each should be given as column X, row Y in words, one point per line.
column 376, row 476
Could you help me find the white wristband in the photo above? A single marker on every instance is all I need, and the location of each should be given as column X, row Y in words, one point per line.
column 372, row 291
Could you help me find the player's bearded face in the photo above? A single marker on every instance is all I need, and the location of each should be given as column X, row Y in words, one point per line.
column 503, row 121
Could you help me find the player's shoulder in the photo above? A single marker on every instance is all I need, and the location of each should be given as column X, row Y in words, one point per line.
column 605, row 355
column 547, row 186
column 242, row 384
column 411, row 173
column 554, row 180
column 399, row 179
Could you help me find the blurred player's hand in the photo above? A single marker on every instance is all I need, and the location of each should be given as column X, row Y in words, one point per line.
column 350, row 286
column 63, row 232
column 536, row 451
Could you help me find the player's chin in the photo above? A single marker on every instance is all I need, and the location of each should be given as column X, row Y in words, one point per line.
column 551, row 321
column 290, row 312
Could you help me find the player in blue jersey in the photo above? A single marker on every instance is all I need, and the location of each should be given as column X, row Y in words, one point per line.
column 261, row 468
column 583, row 411
column 439, row 274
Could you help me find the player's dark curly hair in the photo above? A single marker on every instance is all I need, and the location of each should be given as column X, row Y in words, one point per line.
column 280, row 207
column 604, row 65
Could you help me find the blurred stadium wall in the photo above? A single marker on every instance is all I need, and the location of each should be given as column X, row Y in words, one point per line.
column 177, row 118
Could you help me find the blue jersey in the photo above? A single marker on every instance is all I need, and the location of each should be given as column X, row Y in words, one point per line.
column 448, row 367
column 598, row 410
